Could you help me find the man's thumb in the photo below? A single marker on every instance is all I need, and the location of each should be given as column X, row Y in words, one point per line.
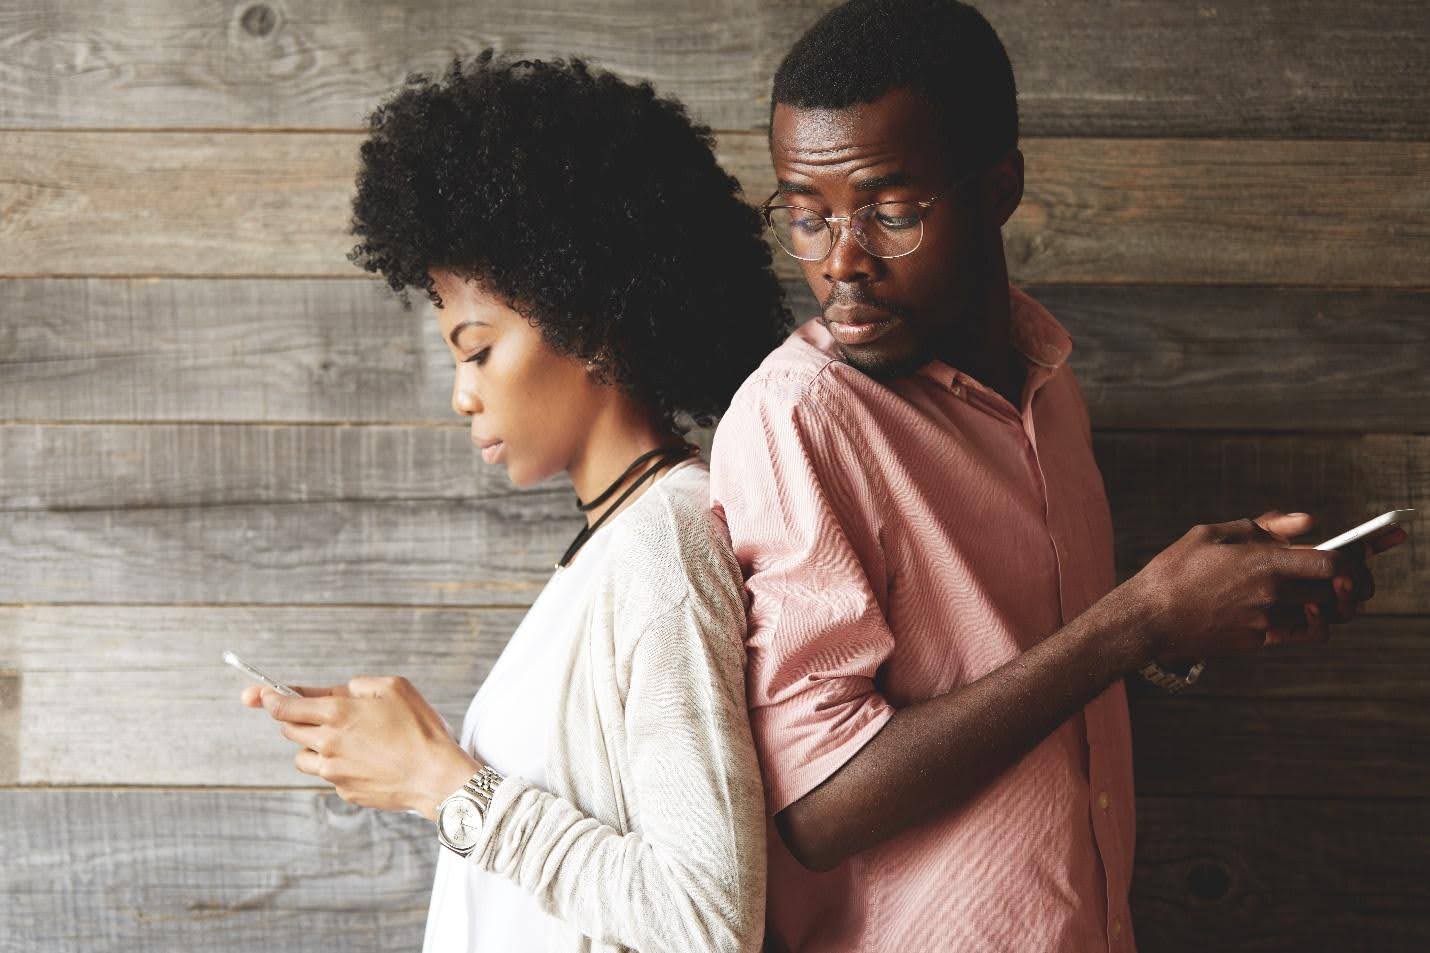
column 1285, row 526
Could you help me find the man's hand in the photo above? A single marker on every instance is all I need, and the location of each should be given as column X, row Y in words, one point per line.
column 1240, row 586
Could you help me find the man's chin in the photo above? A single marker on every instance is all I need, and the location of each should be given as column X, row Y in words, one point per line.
column 883, row 363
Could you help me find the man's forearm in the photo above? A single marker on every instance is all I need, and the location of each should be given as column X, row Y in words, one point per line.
column 933, row 755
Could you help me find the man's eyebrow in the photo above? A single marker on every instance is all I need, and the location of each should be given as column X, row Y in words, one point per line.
column 461, row 327
column 787, row 187
column 888, row 181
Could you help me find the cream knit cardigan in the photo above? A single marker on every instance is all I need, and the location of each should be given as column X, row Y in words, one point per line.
column 652, row 837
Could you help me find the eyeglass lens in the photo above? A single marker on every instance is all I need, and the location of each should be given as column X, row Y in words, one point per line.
column 885, row 230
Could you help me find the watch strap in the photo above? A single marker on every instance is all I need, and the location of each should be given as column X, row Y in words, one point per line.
column 1171, row 681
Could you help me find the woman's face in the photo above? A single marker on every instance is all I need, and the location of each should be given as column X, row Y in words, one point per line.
column 530, row 405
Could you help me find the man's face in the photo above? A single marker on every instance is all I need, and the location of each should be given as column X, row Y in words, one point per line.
column 888, row 315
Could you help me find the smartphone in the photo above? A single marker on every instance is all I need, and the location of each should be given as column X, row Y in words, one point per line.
column 1368, row 529
column 252, row 672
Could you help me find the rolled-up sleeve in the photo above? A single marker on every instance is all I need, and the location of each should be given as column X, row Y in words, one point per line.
column 789, row 482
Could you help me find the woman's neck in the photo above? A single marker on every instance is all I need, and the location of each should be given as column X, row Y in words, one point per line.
column 616, row 439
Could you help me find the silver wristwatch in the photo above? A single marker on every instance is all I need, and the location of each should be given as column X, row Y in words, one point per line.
column 1171, row 681
column 460, row 816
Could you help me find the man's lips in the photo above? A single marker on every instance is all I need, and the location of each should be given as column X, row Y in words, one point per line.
column 855, row 324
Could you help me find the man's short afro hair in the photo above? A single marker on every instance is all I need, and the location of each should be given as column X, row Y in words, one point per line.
column 591, row 206
column 941, row 49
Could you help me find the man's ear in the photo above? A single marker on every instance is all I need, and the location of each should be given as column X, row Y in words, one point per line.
column 1005, row 186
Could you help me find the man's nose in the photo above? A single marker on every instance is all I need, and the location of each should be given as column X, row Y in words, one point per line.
column 847, row 261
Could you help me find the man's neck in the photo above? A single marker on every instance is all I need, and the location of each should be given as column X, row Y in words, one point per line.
column 987, row 353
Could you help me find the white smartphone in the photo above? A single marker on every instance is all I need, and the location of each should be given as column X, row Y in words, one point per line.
column 252, row 672
column 1367, row 529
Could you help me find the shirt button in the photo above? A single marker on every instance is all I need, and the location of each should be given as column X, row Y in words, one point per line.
column 1103, row 800
column 1116, row 928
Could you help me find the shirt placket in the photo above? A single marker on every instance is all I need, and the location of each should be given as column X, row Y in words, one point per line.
column 1100, row 797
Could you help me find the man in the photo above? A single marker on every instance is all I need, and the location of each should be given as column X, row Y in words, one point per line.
column 936, row 649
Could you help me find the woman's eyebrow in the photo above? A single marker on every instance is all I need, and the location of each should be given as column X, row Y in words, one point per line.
column 461, row 327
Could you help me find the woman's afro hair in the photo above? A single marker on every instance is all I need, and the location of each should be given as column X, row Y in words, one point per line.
column 591, row 206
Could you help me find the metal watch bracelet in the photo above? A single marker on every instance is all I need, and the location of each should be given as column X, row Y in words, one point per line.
column 1171, row 681
column 481, row 786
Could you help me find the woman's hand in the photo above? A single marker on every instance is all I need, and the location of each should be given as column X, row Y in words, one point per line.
column 375, row 739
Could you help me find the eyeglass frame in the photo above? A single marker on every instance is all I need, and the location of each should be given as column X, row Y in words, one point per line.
column 830, row 220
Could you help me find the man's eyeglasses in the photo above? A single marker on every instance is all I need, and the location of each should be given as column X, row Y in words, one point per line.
column 883, row 229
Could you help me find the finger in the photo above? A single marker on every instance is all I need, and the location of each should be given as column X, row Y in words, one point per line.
column 1297, row 592
column 1388, row 539
column 306, row 711
column 1313, row 629
column 1286, row 526
column 1307, row 562
column 375, row 686
column 321, row 691
column 251, row 697
column 1236, row 531
column 308, row 761
column 306, row 736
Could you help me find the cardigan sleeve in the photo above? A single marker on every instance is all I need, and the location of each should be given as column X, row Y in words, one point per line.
column 693, row 876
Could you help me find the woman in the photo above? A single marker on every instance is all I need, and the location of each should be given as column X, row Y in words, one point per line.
column 600, row 285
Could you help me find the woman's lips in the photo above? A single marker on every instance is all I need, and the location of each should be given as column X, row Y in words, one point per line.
column 492, row 452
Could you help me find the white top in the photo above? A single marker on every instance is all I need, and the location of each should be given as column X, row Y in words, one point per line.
column 509, row 726
column 632, row 814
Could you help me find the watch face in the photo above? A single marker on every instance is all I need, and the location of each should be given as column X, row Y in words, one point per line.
column 460, row 821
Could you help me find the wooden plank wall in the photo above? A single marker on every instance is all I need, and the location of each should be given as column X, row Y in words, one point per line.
column 215, row 433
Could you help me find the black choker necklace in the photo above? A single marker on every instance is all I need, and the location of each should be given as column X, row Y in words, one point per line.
column 667, row 455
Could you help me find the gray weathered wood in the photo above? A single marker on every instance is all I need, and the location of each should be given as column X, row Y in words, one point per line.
column 443, row 552
column 119, row 871
column 1378, row 657
column 1174, row 357
column 125, row 676
column 1159, row 485
column 1095, row 211
column 1190, row 747
column 248, row 513
column 79, row 467
column 225, row 349
column 262, row 349
column 162, row 870
column 140, row 695
column 1314, row 68
column 1253, row 874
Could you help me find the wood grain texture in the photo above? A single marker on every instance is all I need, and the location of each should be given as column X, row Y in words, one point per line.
column 1159, row 485
column 164, row 870
column 301, row 871
column 1310, row 68
column 1223, row 747
column 1095, row 211
column 1374, row 657
column 120, row 674
column 141, row 696
column 1261, row 875
column 219, row 513
column 308, row 350
column 225, row 349
column 454, row 552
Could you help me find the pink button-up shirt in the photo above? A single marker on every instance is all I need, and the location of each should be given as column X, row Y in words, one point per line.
column 900, row 540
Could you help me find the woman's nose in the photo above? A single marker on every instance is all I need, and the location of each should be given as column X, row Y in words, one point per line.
column 464, row 401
